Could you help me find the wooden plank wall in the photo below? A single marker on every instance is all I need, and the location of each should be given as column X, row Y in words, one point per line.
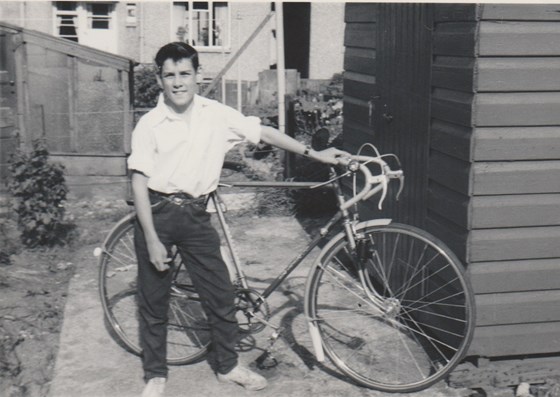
column 386, row 95
column 359, row 73
column 62, row 90
column 494, row 188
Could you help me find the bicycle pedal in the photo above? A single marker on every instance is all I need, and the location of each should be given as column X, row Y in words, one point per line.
column 266, row 361
column 276, row 334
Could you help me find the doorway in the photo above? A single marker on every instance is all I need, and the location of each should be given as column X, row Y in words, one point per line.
column 401, row 115
column 297, row 22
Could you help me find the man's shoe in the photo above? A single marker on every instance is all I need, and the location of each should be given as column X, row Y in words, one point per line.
column 154, row 388
column 244, row 377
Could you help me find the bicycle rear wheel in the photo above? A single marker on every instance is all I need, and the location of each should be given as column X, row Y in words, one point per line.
column 426, row 320
column 188, row 334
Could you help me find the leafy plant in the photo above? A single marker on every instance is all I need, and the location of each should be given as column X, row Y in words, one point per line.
column 146, row 89
column 9, row 240
column 39, row 189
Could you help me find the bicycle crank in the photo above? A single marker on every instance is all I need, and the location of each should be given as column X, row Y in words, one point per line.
column 267, row 360
column 253, row 311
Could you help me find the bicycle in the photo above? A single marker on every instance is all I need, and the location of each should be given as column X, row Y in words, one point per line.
column 388, row 303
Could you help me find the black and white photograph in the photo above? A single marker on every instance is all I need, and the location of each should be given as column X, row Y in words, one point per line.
column 283, row 199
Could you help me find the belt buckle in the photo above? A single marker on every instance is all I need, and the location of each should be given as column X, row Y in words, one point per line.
column 177, row 200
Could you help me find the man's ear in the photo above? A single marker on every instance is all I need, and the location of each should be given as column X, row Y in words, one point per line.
column 159, row 82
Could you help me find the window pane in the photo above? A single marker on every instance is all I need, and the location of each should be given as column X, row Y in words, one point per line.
column 220, row 27
column 99, row 16
column 100, row 9
column 99, row 105
column 201, row 24
column 99, row 24
column 67, row 27
column 50, row 103
column 203, row 31
column 67, row 31
column 66, row 5
column 180, row 20
column 200, row 5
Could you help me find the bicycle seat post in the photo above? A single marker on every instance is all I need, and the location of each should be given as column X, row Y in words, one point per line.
column 229, row 240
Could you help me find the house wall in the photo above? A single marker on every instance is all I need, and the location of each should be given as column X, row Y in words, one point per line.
column 245, row 17
column 36, row 15
column 152, row 30
column 327, row 40
column 495, row 167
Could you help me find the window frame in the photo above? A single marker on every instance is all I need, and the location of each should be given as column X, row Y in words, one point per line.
column 91, row 17
column 60, row 13
column 226, row 47
column 84, row 17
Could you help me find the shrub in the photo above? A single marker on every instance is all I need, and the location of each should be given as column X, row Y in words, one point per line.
column 9, row 240
column 146, row 89
column 39, row 189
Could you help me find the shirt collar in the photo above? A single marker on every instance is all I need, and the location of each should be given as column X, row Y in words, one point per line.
column 163, row 111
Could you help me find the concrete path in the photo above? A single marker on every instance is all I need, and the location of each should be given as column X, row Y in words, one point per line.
column 91, row 364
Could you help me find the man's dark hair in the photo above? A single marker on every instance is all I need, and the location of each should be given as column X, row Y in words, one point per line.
column 176, row 51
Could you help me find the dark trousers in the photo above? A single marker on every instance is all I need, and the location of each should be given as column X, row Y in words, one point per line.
column 188, row 227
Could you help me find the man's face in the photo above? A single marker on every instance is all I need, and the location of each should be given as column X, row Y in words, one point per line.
column 178, row 81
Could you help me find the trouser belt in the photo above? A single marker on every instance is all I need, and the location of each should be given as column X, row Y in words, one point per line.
column 181, row 199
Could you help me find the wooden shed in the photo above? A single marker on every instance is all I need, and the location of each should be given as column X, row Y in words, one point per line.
column 468, row 96
column 77, row 98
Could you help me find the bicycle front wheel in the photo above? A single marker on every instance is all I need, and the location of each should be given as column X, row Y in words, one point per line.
column 405, row 321
column 188, row 334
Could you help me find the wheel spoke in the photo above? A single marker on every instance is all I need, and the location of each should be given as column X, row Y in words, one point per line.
column 339, row 278
column 425, row 322
column 188, row 333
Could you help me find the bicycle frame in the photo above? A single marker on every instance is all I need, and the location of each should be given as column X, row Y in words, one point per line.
column 343, row 214
column 379, row 296
column 240, row 276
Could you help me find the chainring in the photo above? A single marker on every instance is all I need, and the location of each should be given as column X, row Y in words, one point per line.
column 250, row 304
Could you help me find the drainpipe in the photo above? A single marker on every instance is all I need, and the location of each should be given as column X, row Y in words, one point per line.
column 239, row 104
column 280, row 66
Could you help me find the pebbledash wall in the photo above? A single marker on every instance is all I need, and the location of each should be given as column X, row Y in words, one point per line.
column 141, row 40
column 491, row 153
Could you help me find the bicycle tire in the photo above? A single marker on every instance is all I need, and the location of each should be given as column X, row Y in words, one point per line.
column 188, row 334
column 432, row 321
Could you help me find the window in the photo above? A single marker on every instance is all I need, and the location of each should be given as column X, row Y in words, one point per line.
column 131, row 14
column 99, row 15
column 201, row 23
column 91, row 23
column 67, row 20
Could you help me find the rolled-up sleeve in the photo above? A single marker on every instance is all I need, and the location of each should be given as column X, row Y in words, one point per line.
column 241, row 127
column 142, row 157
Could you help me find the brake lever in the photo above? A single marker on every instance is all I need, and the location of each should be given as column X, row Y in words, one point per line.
column 384, row 183
column 401, row 187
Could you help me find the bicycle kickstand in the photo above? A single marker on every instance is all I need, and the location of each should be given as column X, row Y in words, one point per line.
column 267, row 360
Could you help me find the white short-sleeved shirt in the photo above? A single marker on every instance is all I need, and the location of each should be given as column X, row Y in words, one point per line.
column 177, row 156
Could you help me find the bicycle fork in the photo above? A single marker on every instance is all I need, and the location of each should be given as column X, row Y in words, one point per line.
column 352, row 234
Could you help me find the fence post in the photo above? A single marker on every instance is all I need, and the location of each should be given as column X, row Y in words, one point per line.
column 289, row 157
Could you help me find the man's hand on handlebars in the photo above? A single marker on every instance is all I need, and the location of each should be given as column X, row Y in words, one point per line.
column 329, row 156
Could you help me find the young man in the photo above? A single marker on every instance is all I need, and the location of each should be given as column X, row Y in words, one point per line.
column 178, row 150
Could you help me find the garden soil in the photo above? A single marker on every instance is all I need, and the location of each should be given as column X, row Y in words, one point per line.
column 90, row 363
